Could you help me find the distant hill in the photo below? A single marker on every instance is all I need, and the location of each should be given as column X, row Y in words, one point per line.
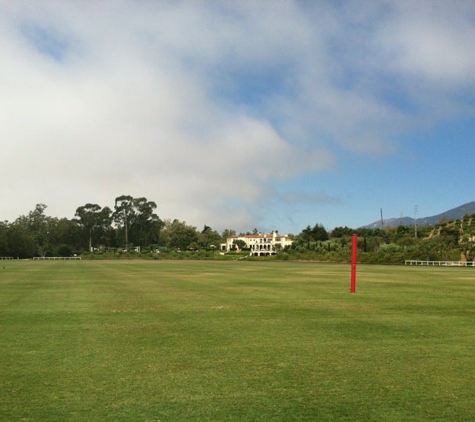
column 455, row 214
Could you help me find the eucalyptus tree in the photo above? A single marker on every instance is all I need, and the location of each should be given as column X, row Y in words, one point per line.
column 138, row 220
column 94, row 220
column 146, row 225
column 124, row 214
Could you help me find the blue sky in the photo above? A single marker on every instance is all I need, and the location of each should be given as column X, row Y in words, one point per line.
column 272, row 115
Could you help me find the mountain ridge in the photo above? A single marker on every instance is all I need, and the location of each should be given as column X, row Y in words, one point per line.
column 452, row 214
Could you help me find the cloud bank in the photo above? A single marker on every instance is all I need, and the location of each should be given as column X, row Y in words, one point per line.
column 205, row 107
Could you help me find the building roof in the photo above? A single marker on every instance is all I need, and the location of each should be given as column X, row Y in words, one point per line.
column 258, row 236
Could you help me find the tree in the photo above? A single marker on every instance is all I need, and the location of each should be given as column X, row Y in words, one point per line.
column 146, row 225
column 178, row 235
column 315, row 234
column 319, row 233
column 21, row 241
column 306, row 235
column 341, row 232
column 466, row 243
column 65, row 236
column 94, row 220
column 447, row 241
column 239, row 244
column 37, row 224
column 4, row 250
column 124, row 214
column 227, row 233
column 209, row 238
column 136, row 216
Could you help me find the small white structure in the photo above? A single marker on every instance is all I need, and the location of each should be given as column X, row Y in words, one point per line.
column 260, row 244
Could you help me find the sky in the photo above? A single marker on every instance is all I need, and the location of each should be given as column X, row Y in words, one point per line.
column 273, row 114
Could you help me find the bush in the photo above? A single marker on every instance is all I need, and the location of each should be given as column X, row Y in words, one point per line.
column 64, row 251
column 284, row 256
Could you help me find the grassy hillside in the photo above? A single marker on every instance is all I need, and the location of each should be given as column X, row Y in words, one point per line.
column 235, row 341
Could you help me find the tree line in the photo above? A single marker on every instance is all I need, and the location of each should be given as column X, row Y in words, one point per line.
column 448, row 240
column 134, row 222
column 131, row 222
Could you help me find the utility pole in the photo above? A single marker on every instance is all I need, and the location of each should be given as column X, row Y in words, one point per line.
column 416, row 209
column 382, row 221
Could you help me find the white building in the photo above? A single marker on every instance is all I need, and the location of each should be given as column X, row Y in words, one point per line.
column 260, row 244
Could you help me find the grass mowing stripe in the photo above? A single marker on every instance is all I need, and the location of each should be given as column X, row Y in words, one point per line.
column 234, row 341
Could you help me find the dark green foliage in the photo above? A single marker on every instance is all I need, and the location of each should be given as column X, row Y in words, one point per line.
column 135, row 223
column 21, row 242
column 448, row 240
column 63, row 250
column 4, row 249
column 309, row 234
column 239, row 244
column 209, row 238
column 342, row 231
column 94, row 221
column 178, row 235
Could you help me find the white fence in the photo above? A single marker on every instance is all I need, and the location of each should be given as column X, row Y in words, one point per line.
column 440, row 263
column 2, row 258
column 55, row 258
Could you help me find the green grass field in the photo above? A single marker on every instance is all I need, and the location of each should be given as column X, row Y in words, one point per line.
column 235, row 341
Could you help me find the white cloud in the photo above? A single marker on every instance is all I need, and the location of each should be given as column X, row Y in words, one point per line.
column 200, row 106
column 432, row 40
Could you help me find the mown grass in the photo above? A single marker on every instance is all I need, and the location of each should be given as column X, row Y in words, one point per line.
column 235, row 341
